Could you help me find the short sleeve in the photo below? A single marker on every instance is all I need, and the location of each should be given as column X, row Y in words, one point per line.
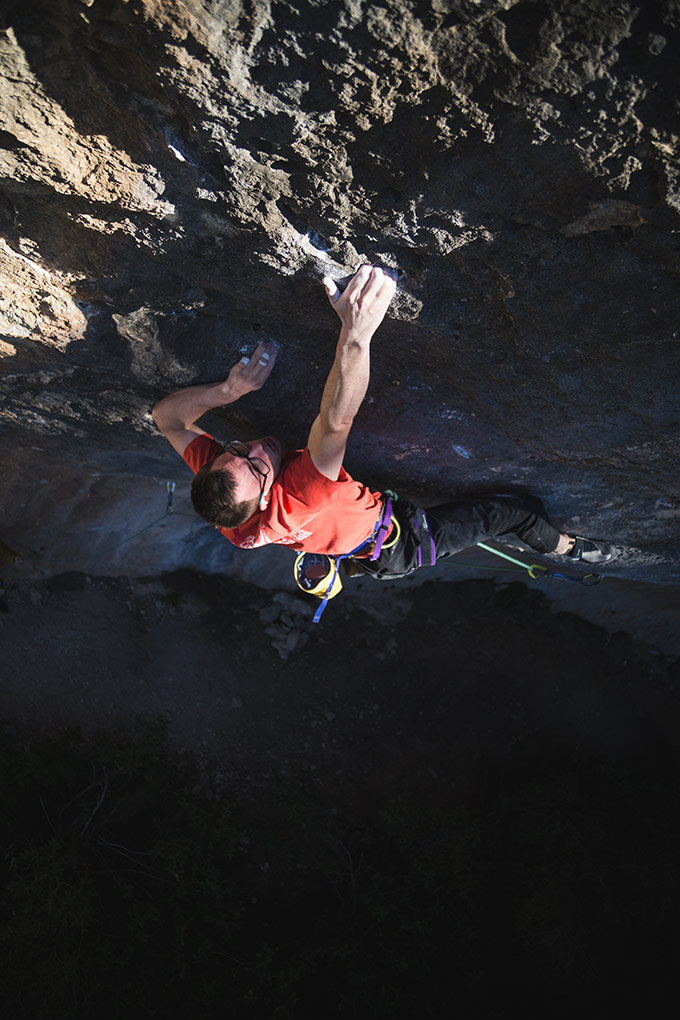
column 305, row 482
column 201, row 450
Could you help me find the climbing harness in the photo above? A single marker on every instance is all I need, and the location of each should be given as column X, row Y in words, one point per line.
column 319, row 574
column 537, row 570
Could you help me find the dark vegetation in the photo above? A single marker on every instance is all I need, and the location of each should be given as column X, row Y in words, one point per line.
column 138, row 881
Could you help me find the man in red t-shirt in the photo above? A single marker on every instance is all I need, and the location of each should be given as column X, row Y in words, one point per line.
column 254, row 493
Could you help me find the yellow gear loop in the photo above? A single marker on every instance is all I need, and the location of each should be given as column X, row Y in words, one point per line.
column 397, row 533
column 543, row 571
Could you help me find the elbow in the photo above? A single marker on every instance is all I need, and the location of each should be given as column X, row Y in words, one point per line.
column 156, row 413
column 336, row 425
column 160, row 420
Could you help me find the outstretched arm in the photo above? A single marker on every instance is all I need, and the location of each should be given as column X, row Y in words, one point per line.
column 175, row 415
column 361, row 308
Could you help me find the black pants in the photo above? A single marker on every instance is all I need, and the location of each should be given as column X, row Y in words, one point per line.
column 461, row 524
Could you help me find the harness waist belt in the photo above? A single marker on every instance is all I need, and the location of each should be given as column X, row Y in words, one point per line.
column 368, row 547
column 378, row 537
column 371, row 548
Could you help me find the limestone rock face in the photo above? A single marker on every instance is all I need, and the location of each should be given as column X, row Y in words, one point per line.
column 177, row 175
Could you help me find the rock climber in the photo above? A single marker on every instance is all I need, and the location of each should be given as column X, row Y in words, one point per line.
column 256, row 493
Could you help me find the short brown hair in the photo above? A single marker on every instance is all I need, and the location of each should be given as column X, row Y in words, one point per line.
column 212, row 494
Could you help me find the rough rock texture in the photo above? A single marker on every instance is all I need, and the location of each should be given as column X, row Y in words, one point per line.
column 177, row 176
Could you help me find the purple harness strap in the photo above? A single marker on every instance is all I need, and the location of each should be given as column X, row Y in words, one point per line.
column 380, row 533
column 382, row 528
column 422, row 529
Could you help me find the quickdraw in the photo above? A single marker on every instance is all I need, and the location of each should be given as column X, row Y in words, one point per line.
column 168, row 512
column 537, row 570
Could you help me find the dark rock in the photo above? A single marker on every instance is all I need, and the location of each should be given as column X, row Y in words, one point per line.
column 177, row 177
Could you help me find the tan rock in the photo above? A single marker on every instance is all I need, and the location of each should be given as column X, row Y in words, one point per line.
column 34, row 303
column 52, row 151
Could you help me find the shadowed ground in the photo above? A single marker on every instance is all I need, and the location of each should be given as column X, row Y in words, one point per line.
column 483, row 817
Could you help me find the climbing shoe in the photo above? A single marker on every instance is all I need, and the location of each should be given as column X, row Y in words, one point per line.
column 590, row 551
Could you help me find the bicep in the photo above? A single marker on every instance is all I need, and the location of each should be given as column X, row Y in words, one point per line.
column 179, row 439
column 327, row 449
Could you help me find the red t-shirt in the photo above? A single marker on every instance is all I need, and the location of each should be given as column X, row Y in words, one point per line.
column 306, row 510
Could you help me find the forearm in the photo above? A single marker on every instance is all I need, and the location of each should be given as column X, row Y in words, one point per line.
column 347, row 381
column 175, row 415
column 181, row 409
column 360, row 308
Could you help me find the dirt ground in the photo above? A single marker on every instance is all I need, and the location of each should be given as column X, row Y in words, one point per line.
column 497, row 784
column 245, row 675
